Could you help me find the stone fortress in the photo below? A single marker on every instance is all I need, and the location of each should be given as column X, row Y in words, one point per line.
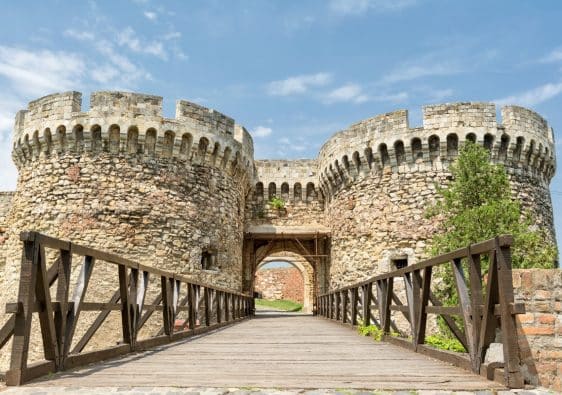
column 187, row 195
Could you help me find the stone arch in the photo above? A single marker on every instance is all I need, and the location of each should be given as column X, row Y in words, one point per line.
column 48, row 138
column 345, row 162
column 369, row 157
column 202, row 149
column 399, row 152
column 132, row 140
column 185, row 146
column 61, row 138
column 27, row 151
column 114, row 138
column 383, row 152
column 216, row 153
column 452, row 145
column 417, row 152
column 488, row 141
column 433, row 143
column 150, row 142
column 78, row 134
column 504, row 145
column 271, row 190
column 169, row 140
column 285, row 191
column 471, row 137
column 530, row 152
column 36, row 143
column 356, row 161
column 297, row 192
column 310, row 192
column 258, row 192
column 304, row 267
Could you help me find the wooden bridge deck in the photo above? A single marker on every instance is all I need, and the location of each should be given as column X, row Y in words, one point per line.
column 276, row 351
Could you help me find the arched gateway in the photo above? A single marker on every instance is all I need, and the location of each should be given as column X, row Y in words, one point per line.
column 307, row 248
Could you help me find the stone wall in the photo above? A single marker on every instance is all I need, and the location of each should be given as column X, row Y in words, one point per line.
column 122, row 178
column 540, row 328
column 280, row 283
column 5, row 204
column 379, row 176
column 295, row 183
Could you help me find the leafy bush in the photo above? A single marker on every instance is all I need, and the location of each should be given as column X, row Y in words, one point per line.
column 444, row 343
column 277, row 203
column 371, row 330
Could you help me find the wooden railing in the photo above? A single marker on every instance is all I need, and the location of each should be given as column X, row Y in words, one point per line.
column 205, row 307
column 482, row 307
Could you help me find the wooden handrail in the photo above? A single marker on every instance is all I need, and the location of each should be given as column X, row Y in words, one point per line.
column 478, row 308
column 208, row 307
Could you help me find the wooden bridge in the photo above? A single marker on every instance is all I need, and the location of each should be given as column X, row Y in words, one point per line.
column 215, row 344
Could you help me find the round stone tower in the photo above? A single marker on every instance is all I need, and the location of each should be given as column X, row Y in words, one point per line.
column 168, row 193
column 379, row 176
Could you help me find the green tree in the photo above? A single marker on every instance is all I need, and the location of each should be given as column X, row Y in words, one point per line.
column 478, row 206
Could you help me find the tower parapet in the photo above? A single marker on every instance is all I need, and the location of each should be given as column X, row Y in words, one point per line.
column 523, row 143
column 132, row 125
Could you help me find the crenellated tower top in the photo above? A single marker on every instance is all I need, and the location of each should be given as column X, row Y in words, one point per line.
column 131, row 124
column 522, row 141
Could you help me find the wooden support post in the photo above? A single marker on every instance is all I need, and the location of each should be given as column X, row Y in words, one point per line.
column 422, row 318
column 218, row 297
column 63, row 286
column 125, row 304
column 466, row 310
column 354, row 300
column 513, row 376
column 367, row 292
column 22, row 327
column 207, row 310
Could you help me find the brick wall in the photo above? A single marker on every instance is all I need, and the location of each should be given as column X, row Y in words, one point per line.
column 280, row 283
column 540, row 329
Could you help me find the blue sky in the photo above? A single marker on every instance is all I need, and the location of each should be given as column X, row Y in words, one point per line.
column 291, row 72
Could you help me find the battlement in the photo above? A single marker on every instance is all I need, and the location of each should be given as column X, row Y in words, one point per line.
column 291, row 180
column 130, row 124
column 523, row 142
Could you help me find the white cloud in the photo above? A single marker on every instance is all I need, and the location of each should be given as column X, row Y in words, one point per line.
column 117, row 69
column 534, row 96
column 347, row 93
column 150, row 15
column 425, row 68
column 399, row 97
column 554, row 56
column 129, row 38
column 356, row 7
column 261, row 131
column 298, row 84
column 40, row 72
column 172, row 36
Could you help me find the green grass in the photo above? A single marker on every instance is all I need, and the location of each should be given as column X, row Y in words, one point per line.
column 285, row 305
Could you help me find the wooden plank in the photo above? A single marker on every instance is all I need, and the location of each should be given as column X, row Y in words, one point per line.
column 466, row 311
column 422, row 318
column 476, row 301
column 46, row 316
column 124, row 292
column 7, row 331
column 78, row 299
column 513, row 375
column 488, row 325
column 64, row 264
column 22, row 326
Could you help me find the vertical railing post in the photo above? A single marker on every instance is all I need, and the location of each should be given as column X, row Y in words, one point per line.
column 125, row 304
column 26, row 299
column 513, row 376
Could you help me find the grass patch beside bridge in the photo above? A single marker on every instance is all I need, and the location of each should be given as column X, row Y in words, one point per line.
column 282, row 304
